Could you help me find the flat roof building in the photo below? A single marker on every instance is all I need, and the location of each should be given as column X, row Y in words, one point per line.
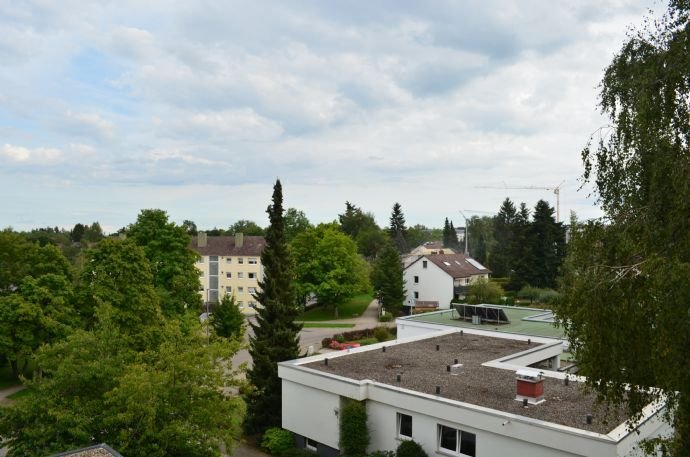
column 457, row 393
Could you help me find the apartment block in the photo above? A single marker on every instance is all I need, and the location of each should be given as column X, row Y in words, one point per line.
column 230, row 265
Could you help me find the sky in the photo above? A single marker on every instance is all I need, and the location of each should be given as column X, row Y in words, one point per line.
column 196, row 107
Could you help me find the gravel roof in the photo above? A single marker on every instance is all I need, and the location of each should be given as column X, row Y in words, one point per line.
column 422, row 368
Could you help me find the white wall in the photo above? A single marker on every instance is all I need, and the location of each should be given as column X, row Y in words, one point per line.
column 311, row 412
column 434, row 284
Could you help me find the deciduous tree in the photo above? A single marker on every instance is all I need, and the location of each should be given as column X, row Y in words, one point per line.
column 626, row 293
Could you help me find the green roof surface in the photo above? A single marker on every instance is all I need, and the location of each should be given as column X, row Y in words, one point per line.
column 517, row 316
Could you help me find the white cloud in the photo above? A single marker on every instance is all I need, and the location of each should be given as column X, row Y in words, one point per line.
column 39, row 156
column 88, row 124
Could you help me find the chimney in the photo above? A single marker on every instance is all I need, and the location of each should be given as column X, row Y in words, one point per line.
column 239, row 240
column 530, row 386
column 201, row 240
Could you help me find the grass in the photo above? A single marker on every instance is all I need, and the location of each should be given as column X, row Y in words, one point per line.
column 326, row 325
column 21, row 394
column 354, row 307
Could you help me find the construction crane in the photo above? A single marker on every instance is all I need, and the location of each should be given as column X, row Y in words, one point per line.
column 556, row 190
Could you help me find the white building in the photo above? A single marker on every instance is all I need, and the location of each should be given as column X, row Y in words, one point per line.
column 433, row 280
column 456, row 394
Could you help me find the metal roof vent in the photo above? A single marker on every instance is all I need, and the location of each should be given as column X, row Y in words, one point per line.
column 530, row 386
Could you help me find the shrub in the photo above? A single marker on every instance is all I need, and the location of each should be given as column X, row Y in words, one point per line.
column 381, row 334
column 386, row 317
column 410, row 449
column 326, row 342
column 278, row 441
column 484, row 291
column 548, row 296
column 354, row 434
column 339, row 338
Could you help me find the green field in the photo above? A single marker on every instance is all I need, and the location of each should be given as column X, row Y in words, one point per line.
column 354, row 307
column 326, row 325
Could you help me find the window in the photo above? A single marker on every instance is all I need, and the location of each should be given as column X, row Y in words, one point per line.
column 252, row 275
column 251, row 290
column 310, row 444
column 456, row 441
column 240, row 290
column 252, row 261
column 416, row 279
column 228, row 288
column 228, row 275
column 416, row 294
column 240, row 304
column 228, row 260
column 404, row 425
column 424, row 263
column 240, row 260
column 213, row 258
column 240, row 275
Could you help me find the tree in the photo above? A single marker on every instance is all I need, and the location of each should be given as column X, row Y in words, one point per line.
column 354, row 433
column 500, row 260
column 635, row 263
column 77, row 232
column 275, row 333
column 387, row 278
column 93, row 233
column 246, row 227
column 167, row 400
column 484, row 291
column 447, row 241
column 118, row 275
column 296, row 222
column 172, row 261
column 328, row 265
column 527, row 250
column 362, row 228
column 227, row 319
column 397, row 229
column 546, row 238
column 480, row 241
column 190, row 227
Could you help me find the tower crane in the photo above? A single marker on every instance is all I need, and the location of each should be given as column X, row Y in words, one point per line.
column 556, row 190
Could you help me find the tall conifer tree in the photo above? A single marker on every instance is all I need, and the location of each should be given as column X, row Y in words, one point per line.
column 276, row 335
column 397, row 229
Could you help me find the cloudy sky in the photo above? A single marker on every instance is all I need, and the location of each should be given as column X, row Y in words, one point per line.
column 196, row 107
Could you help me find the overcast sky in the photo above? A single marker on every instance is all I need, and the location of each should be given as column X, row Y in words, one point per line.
column 196, row 107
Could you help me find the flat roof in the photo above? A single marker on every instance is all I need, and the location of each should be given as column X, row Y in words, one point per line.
column 523, row 321
column 422, row 368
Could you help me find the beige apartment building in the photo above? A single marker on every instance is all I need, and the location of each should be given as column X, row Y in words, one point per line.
column 230, row 265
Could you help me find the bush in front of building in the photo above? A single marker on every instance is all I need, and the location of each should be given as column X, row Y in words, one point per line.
column 410, row 448
column 278, row 441
column 354, row 433
column 382, row 334
column 386, row 317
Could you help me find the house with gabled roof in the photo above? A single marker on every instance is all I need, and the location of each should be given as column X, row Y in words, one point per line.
column 433, row 280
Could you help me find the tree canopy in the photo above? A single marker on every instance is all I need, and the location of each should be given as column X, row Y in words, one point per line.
column 397, row 229
column 328, row 265
column 387, row 278
column 635, row 263
column 172, row 261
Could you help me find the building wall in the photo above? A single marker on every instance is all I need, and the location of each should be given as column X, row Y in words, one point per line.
column 237, row 275
column 434, row 284
column 311, row 413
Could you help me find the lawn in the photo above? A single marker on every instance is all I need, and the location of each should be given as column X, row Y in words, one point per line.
column 326, row 325
column 354, row 307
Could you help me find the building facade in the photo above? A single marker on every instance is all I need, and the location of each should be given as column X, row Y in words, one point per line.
column 437, row 278
column 230, row 265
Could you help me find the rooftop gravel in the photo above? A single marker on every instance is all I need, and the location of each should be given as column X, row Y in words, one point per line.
column 422, row 368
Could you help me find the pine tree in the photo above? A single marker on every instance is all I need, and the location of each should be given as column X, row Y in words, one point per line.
column 397, row 229
column 446, row 234
column 276, row 335
column 547, row 242
column 523, row 260
column 500, row 260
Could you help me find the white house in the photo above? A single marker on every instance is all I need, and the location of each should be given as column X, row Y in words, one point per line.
column 433, row 280
column 457, row 393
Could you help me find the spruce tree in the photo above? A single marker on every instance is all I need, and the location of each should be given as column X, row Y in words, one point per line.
column 500, row 260
column 397, row 229
column 547, row 241
column 275, row 334
column 446, row 234
column 521, row 253
column 387, row 278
